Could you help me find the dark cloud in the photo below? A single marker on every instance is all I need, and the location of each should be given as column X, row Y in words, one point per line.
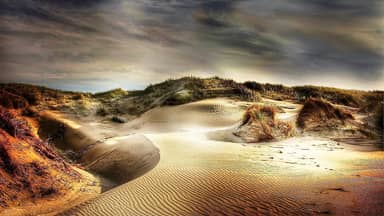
column 292, row 42
column 218, row 6
column 345, row 7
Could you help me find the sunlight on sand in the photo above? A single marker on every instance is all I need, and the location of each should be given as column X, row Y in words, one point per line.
column 305, row 154
column 59, row 117
column 196, row 175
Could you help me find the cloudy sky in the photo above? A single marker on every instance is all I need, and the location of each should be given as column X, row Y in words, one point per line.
column 96, row 45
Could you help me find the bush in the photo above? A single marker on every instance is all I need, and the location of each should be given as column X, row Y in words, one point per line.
column 178, row 98
column 378, row 116
column 77, row 96
column 101, row 111
column 254, row 86
column 118, row 119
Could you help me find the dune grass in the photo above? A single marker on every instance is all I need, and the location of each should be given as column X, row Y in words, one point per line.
column 322, row 113
column 259, row 123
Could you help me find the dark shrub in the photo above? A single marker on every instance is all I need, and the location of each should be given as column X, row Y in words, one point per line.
column 118, row 119
column 254, row 86
column 101, row 111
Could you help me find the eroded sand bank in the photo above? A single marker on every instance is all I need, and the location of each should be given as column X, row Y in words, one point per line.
column 197, row 175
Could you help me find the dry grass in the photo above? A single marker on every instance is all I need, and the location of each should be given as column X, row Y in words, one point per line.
column 257, row 112
column 365, row 100
column 29, row 168
column 353, row 98
column 319, row 112
column 12, row 101
column 259, row 123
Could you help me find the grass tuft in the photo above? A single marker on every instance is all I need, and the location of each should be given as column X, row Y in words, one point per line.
column 321, row 113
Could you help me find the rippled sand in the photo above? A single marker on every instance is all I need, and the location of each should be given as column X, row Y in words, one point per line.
column 178, row 191
column 199, row 176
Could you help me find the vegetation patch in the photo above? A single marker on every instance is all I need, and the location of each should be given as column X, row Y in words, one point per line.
column 102, row 111
column 180, row 97
column 319, row 114
column 259, row 124
column 118, row 119
column 12, row 101
column 29, row 168
column 353, row 98
column 112, row 94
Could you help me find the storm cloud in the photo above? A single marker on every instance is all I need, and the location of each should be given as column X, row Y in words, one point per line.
column 96, row 45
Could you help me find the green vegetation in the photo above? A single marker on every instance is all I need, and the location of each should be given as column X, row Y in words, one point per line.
column 180, row 97
column 181, row 91
column 185, row 90
column 112, row 94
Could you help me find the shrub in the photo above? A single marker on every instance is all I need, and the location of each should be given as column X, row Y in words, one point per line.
column 178, row 98
column 118, row 119
column 254, row 86
column 77, row 96
column 378, row 116
column 101, row 111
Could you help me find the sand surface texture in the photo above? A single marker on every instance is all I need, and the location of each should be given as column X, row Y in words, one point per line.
column 197, row 175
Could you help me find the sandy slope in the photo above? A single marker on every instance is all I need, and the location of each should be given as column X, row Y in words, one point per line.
column 200, row 176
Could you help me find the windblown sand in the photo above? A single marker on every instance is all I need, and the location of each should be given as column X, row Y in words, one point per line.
column 199, row 176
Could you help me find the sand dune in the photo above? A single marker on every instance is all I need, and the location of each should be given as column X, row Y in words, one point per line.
column 197, row 176
column 203, row 115
column 115, row 159
column 200, row 176
column 122, row 159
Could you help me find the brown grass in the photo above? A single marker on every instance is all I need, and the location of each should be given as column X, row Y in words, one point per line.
column 30, row 168
column 320, row 112
column 259, row 123
column 257, row 112
column 12, row 101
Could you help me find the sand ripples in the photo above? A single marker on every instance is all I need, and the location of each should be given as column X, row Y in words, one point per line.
column 192, row 191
